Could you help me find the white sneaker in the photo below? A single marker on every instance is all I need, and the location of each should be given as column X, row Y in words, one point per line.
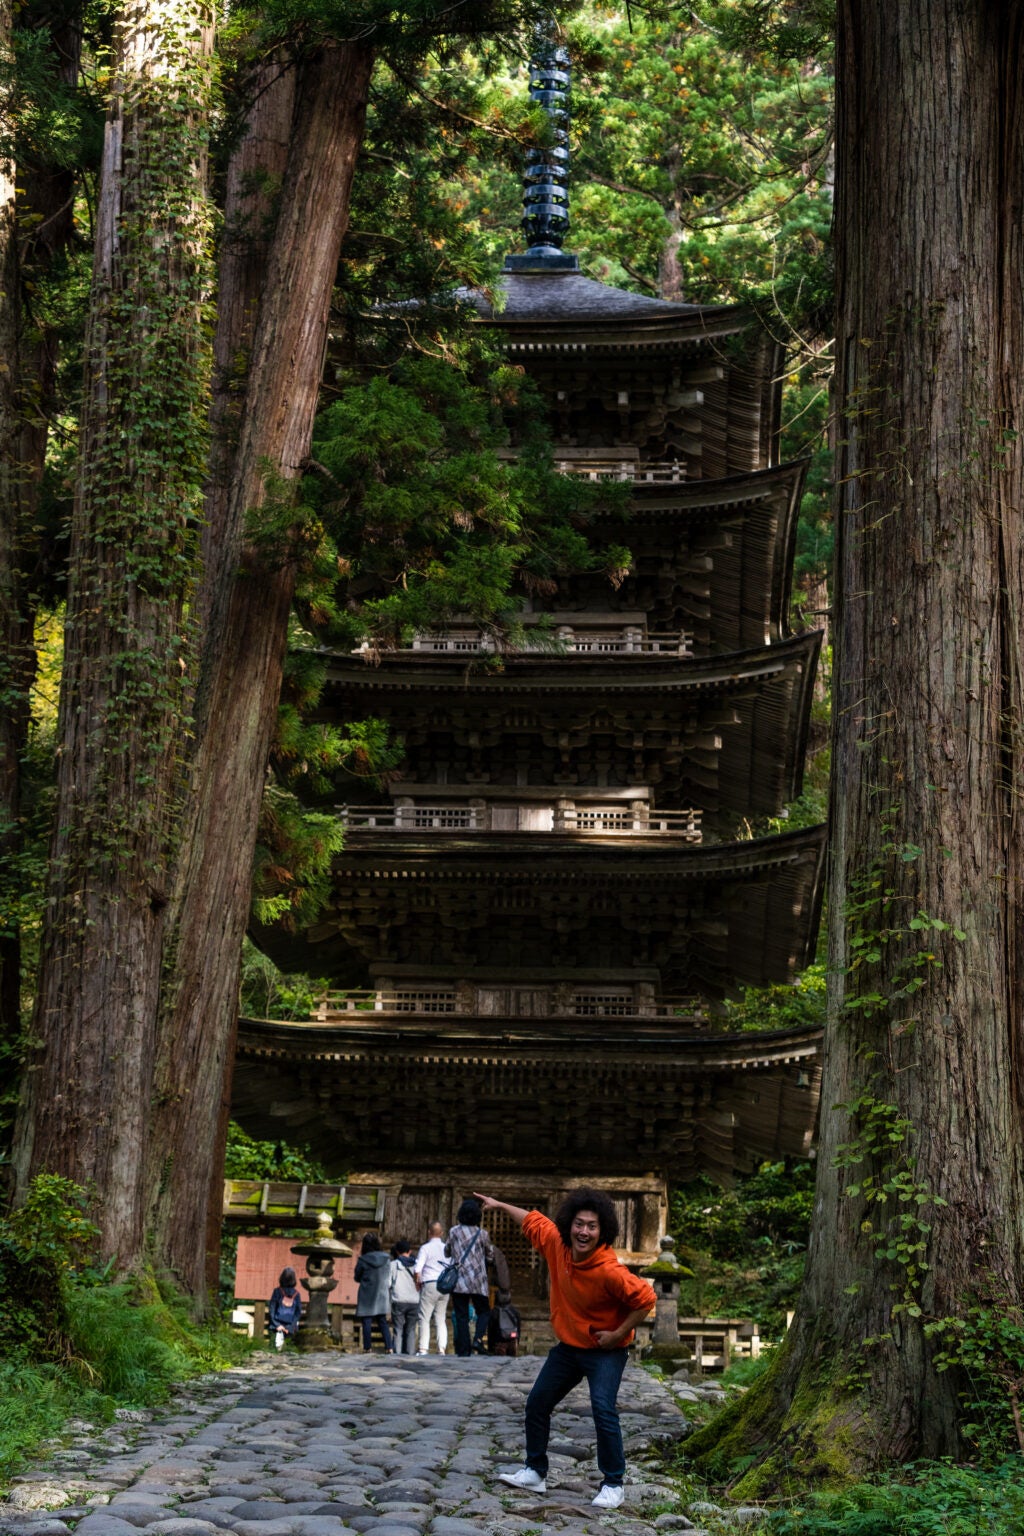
column 610, row 1497
column 524, row 1477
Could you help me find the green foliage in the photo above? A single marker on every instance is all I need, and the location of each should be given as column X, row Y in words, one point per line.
column 71, row 1343
column 36, row 1400
column 746, row 1245
column 985, row 1346
column 896, row 1199
column 414, row 490
column 929, row 1499
column 267, row 993
column 799, row 1006
column 54, row 1223
column 250, row 1159
column 292, row 865
column 893, row 943
column 728, row 145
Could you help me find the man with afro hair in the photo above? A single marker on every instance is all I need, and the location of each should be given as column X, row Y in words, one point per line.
column 595, row 1305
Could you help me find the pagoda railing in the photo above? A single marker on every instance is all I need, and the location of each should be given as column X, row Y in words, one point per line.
column 654, row 471
column 564, row 641
column 427, row 1002
column 579, row 820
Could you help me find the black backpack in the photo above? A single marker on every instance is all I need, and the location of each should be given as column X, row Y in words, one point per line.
column 505, row 1323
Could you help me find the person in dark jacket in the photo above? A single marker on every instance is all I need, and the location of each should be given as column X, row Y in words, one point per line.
column 285, row 1308
column 373, row 1303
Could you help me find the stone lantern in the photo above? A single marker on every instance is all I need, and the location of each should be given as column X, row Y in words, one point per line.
column 320, row 1254
column 665, row 1274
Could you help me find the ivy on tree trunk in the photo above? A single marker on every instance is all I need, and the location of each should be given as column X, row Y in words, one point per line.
column 128, row 649
column 251, row 551
column 918, row 1209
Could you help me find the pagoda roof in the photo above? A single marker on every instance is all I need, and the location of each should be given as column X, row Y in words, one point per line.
column 726, row 733
column 567, row 299
column 709, row 919
column 504, row 1092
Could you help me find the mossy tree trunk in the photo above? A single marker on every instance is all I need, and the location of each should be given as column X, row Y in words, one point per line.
column 924, row 1068
column 36, row 224
column 128, row 652
column 274, row 318
column 13, row 693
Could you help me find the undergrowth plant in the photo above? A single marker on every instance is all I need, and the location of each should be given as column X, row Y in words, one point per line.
column 929, row 1499
column 73, row 1344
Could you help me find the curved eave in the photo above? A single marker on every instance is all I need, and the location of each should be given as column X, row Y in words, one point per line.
column 551, row 858
column 515, row 1040
column 692, row 327
column 551, row 675
column 716, row 498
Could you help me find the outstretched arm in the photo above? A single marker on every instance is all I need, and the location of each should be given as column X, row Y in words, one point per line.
column 488, row 1203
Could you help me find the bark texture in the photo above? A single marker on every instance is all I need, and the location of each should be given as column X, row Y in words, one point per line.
column 266, row 425
column 28, row 556
column 138, row 497
column 13, row 694
column 927, row 762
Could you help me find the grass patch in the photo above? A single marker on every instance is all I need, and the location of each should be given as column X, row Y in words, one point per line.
column 123, row 1346
column 36, row 1400
column 929, row 1499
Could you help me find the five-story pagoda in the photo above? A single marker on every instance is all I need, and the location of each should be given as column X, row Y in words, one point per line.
column 529, row 938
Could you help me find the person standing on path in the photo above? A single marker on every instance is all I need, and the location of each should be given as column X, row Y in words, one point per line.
column 469, row 1246
column 595, row 1305
column 373, row 1275
column 405, row 1299
column 430, row 1261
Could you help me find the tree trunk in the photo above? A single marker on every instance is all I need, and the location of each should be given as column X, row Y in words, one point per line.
column 13, row 694
column 27, row 555
column 924, row 1050
column 86, row 1103
column 251, row 554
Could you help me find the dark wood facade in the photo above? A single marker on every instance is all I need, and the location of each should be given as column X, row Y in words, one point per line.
column 558, row 891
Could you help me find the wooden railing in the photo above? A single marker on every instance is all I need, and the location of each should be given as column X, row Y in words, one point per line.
column 712, row 1343
column 632, row 471
column 283, row 1203
column 586, row 1003
column 580, row 820
column 561, row 642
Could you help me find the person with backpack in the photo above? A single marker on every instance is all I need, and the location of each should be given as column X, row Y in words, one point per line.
column 595, row 1305
column 405, row 1299
column 469, row 1247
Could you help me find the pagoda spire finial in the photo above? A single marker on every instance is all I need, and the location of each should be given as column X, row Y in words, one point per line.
column 546, row 177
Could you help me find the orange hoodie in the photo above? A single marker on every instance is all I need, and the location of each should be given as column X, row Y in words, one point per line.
column 587, row 1298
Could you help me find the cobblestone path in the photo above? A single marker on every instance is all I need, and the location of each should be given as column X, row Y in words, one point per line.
column 322, row 1444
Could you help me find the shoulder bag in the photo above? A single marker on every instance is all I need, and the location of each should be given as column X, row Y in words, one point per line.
column 448, row 1279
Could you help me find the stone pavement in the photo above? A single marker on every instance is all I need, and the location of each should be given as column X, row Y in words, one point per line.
column 317, row 1445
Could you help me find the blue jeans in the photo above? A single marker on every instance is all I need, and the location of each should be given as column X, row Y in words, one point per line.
column 564, row 1368
column 381, row 1320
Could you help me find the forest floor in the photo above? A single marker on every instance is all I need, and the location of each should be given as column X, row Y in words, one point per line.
column 319, row 1444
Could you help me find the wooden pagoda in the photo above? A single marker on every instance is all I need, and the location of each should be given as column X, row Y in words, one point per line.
column 532, row 936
